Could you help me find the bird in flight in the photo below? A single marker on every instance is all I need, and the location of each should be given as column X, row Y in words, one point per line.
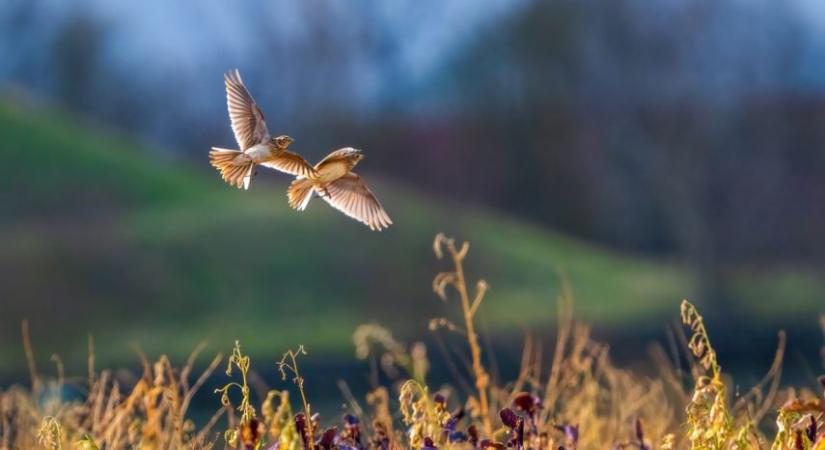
column 334, row 181
column 256, row 145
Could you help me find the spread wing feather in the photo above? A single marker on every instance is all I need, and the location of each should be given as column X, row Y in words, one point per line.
column 291, row 163
column 350, row 195
column 247, row 119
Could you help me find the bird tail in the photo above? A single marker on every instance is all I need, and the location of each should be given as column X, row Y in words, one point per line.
column 299, row 193
column 235, row 171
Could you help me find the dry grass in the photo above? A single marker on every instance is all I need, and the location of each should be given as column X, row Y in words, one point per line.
column 574, row 398
column 150, row 414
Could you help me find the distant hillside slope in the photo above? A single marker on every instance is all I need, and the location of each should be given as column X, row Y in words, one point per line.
column 100, row 237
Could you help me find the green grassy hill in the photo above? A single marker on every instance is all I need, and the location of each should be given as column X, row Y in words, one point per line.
column 101, row 237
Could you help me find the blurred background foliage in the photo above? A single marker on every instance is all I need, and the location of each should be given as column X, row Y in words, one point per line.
column 646, row 151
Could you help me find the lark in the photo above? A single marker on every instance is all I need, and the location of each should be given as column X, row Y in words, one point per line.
column 346, row 191
column 256, row 145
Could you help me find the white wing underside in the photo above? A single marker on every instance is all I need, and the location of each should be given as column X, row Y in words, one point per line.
column 350, row 195
column 248, row 122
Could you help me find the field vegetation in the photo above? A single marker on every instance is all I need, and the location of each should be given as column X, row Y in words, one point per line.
column 575, row 397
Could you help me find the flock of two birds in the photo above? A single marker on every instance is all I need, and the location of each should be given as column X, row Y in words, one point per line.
column 331, row 179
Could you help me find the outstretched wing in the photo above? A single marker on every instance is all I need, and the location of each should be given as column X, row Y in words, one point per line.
column 290, row 163
column 247, row 119
column 350, row 195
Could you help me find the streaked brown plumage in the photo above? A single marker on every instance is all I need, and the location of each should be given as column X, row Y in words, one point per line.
column 256, row 145
column 347, row 192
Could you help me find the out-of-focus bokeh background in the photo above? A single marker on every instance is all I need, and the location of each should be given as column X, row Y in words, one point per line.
column 645, row 151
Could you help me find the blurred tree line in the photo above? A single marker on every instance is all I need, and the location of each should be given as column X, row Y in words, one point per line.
column 686, row 127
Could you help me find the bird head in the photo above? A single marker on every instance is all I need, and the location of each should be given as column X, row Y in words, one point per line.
column 356, row 156
column 282, row 141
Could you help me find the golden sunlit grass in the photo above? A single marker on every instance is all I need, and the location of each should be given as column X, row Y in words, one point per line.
column 573, row 398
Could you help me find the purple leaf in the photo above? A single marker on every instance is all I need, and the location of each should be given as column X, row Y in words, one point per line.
column 509, row 418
